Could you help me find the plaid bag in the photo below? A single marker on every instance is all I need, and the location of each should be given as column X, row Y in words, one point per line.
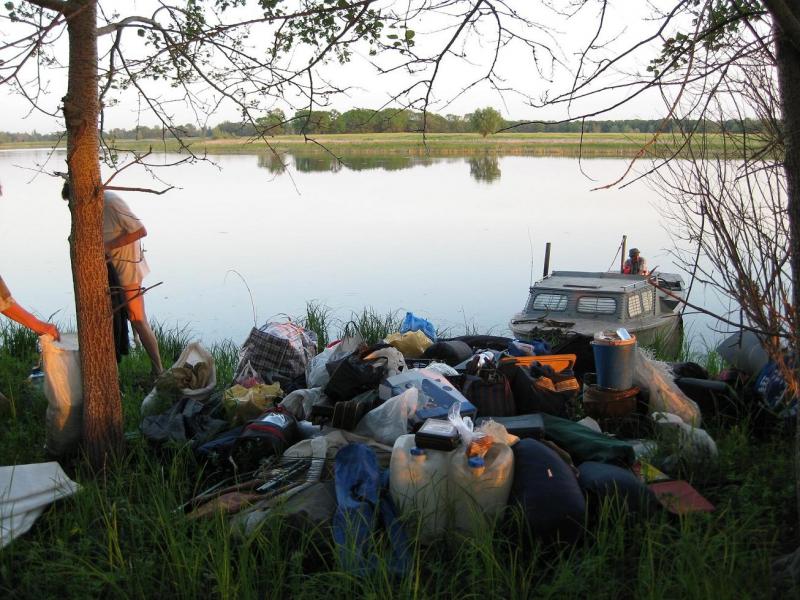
column 277, row 351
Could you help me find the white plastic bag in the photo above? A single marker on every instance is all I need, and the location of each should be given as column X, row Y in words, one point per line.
column 498, row 432
column 25, row 491
column 192, row 354
column 464, row 425
column 694, row 444
column 665, row 396
column 63, row 388
column 390, row 420
column 300, row 402
column 442, row 369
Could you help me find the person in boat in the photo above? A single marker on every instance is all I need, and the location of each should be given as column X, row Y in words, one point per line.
column 122, row 234
column 636, row 264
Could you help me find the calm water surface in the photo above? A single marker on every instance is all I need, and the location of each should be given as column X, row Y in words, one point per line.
column 450, row 239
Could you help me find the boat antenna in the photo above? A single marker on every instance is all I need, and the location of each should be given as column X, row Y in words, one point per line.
column 530, row 241
column 622, row 260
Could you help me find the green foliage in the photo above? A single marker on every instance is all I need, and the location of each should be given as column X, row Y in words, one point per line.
column 372, row 326
column 486, row 121
column 713, row 25
column 318, row 320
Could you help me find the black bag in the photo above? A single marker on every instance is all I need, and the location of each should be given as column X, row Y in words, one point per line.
column 601, row 481
column 546, row 489
column 268, row 435
column 354, row 375
column 451, row 352
column 555, row 394
column 345, row 415
column 490, row 392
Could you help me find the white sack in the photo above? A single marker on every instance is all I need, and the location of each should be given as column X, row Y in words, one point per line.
column 390, row 420
column 192, row 354
column 61, row 363
column 25, row 491
column 694, row 444
column 665, row 396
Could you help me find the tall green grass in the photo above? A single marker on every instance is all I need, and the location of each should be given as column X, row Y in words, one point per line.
column 371, row 325
column 123, row 534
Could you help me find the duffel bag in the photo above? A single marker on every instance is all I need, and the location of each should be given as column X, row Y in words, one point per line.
column 584, row 444
column 451, row 352
column 547, row 491
column 602, row 482
column 268, row 435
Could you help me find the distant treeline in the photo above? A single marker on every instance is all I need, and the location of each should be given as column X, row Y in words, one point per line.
column 363, row 120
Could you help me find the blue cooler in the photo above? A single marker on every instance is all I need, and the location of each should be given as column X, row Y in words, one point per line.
column 614, row 362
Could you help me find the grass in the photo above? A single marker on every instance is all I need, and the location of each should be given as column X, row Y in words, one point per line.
column 436, row 144
column 123, row 537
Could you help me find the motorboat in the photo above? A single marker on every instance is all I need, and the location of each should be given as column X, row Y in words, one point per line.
column 584, row 302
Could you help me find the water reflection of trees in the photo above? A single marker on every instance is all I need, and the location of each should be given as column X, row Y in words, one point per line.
column 272, row 163
column 309, row 163
column 481, row 168
column 484, row 168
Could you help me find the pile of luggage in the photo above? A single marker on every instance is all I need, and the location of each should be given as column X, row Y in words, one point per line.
column 439, row 436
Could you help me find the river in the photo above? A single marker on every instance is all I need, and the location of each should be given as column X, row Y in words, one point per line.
column 456, row 240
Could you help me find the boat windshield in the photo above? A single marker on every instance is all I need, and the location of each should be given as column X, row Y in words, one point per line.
column 597, row 305
column 551, row 302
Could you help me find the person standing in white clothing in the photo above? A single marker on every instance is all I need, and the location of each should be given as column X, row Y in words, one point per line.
column 122, row 234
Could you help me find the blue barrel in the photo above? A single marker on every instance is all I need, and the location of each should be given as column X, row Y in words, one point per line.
column 614, row 363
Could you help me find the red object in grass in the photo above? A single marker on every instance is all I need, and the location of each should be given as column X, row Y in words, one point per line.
column 680, row 498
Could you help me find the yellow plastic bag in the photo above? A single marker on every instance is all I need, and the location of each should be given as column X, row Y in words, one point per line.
column 243, row 404
column 412, row 344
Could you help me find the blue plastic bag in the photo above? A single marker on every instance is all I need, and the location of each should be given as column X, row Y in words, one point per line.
column 364, row 504
column 532, row 348
column 772, row 387
column 415, row 323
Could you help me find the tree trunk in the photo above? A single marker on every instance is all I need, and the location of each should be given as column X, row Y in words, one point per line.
column 102, row 413
column 788, row 62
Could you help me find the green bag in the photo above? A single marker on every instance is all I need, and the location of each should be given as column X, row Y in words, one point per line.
column 584, row 444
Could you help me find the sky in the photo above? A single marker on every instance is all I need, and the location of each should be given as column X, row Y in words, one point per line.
column 516, row 70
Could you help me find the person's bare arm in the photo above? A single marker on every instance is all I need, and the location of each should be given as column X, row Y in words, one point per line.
column 16, row 313
column 125, row 239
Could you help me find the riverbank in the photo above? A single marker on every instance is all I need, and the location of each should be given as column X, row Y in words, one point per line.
column 124, row 536
column 589, row 145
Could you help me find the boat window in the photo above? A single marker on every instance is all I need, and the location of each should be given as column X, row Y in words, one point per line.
column 648, row 301
column 634, row 305
column 601, row 305
column 552, row 302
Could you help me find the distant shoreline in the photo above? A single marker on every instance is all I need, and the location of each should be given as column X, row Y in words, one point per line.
column 590, row 145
